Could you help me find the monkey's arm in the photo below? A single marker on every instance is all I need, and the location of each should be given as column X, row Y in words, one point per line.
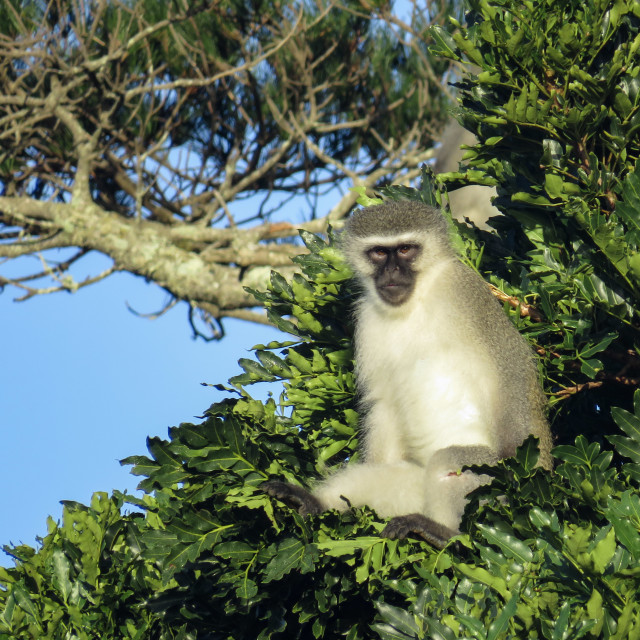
column 452, row 459
column 433, row 532
column 294, row 496
column 397, row 528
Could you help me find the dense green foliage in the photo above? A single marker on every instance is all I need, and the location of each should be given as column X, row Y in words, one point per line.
column 554, row 556
column 555, row 103
column 213, row 557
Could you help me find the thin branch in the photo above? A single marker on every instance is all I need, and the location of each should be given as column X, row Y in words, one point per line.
column 156, row 314
column 595, row 384
column 184, row 83
column 150, row 166
column 525, row 310
column 66, row 284
column 249, row 316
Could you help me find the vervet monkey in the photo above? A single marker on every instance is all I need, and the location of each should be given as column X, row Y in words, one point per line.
column 474, row 200
column 445, row 379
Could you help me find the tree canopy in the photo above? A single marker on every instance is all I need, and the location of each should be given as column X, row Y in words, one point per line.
column 553, row 99
column 171, row 136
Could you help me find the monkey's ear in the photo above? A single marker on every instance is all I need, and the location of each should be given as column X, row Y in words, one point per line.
column 433, row 532
column 293, row 496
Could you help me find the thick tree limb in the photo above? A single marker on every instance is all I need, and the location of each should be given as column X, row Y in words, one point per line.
column 173, row 144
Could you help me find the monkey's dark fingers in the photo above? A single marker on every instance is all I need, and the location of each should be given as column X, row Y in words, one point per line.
column 433, row 532
column 296, row 497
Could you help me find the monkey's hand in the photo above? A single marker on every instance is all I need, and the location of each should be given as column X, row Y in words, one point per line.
column 433, row 532
column 293, row 496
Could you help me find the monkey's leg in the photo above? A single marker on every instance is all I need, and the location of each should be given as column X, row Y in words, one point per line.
column 446, row 495
column 389, row 489
column 294, row 496
column 433, row 532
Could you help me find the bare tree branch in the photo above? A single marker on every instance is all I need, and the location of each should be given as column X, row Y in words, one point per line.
column 174, row 144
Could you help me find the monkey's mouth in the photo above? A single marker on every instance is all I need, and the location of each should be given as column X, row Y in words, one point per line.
column 396, row 286
column 394, row 289
column 394, row 293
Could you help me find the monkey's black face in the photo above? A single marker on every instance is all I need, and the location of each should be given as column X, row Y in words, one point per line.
column 394, row 276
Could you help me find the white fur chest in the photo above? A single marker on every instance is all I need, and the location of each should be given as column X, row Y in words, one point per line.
column 420, row 365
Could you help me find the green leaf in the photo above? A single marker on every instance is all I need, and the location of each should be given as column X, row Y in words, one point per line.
column 445, row 44
column 591, row 367
column 544, row 519
column 235, row 550
column 339, row 548
column 255, row 370
column 60, row 573
column 629, row 208
column 583, row 453
column 599, row 346
column 438, row 630
column 480, row 574
column 363, row 199
column 554, row 185
column 22, row 598
column 507, row 542
column 604, row 551
column 595, row 610
column 388, row 632
column 500, row 625
column 399, row 621
column 528, row 453
column 627, row 447
column 561, row 624
column 624, row 514
column 273, row 364
column 630, row 424
column 280, row 286
column 313, row 242
column 291, row 554
column 282, row 323
column 247, row 589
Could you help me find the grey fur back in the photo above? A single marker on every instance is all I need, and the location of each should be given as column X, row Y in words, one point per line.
column 523, row 399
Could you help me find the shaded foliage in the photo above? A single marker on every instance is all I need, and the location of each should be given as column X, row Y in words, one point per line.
column 554, row 102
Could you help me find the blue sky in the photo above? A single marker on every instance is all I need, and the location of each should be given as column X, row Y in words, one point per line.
column 84, row 381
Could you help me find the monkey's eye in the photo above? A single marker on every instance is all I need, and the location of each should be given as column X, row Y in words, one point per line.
column 378, row 254
column 407, row 251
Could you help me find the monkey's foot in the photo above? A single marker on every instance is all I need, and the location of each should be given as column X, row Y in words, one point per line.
column 293, row 496
column 415, row 523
